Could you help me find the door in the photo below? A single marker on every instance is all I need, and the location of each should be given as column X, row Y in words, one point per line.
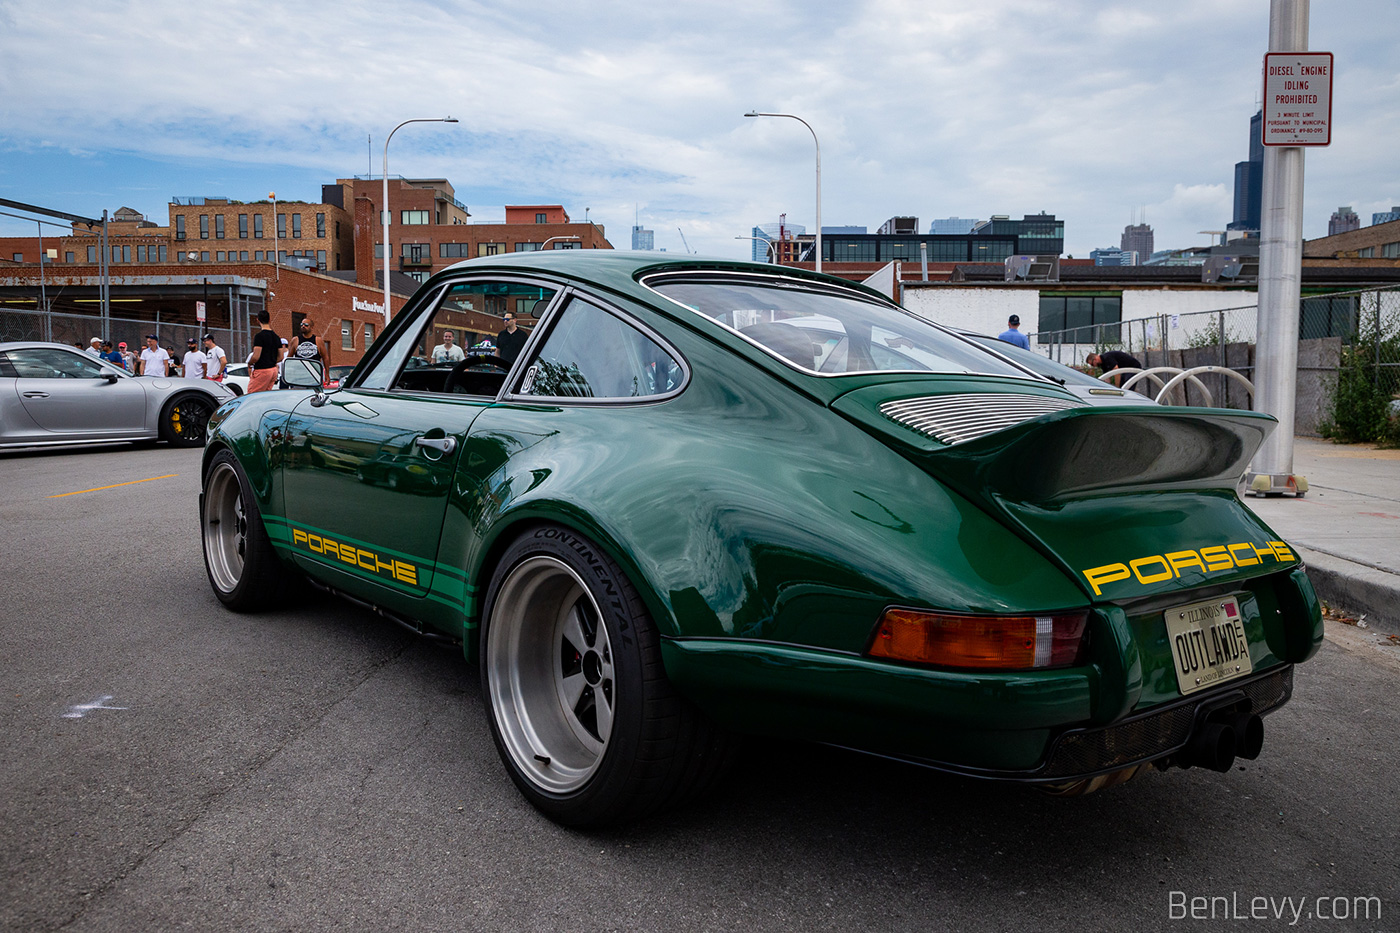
column 73, row 394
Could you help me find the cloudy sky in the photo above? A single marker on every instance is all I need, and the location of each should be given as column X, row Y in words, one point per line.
column 1096, row 112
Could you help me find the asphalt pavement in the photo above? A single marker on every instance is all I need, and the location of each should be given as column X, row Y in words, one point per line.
column 171, row 765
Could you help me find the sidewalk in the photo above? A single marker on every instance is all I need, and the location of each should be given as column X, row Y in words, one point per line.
column 1347, row 527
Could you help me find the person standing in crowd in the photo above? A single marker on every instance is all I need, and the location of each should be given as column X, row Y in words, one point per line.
column 111, row 355
column 1013, row 335
column 129, row 360
column 267, row 353
column 215, row 360
column 305, row 345
column 95, row 347
column 448, row 351
column 154, row 360
column 510, row 341
column 1113, row 359
column 194, row 360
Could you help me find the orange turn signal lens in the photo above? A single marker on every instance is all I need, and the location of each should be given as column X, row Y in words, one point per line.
column 980, row 642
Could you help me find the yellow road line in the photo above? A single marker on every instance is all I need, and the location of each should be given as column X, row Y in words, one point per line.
column 116, row 486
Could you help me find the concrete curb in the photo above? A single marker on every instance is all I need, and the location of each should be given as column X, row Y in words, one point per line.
column 1355, row 588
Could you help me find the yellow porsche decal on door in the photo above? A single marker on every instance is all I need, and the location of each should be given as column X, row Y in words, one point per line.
column 1158, row 568
column 399, row 570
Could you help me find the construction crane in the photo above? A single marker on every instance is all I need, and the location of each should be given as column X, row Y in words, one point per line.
column 688, row 250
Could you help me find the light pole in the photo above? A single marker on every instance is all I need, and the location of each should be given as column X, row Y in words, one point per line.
column 277, row 267
column 553, row 238
column 384, row 205
column 790, row 116
column 761, row 239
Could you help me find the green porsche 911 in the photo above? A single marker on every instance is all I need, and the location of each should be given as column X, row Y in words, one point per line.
column 710, row 499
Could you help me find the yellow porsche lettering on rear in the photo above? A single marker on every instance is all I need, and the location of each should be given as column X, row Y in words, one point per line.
column 402, row 571
column 1158, row 568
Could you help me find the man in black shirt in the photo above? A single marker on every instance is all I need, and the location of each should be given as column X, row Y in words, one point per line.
column 510, row 341
column 267, row 353
column 1113, row 359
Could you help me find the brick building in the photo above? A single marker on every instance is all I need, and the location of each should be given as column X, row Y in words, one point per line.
column 224, row 230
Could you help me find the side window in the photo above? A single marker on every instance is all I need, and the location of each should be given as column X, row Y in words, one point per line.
column 43, row 363
column 589, row 353
column 454, row 350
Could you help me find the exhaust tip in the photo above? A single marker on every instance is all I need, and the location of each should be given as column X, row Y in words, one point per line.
column 1213, row 746
column 1249, row 735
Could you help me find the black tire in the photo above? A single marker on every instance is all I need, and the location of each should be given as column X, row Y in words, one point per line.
column 233, row 387
column 184, row 421
column 244, row 571
column 546, row 698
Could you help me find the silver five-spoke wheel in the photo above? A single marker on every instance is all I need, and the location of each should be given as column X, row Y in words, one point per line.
column 225, row 527
column 549, row 664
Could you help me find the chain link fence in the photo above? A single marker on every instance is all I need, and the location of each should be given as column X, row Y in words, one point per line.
column 1348, row 354
column 78, row 329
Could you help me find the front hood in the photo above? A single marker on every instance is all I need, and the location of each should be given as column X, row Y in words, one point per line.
column 1129, row 501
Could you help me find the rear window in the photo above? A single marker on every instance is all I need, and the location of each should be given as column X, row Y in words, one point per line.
column 828, row 332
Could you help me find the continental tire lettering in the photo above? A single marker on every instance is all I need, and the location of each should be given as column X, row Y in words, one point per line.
column 362, row 558
column 1217, row 558
column 1141, row 562
column 1108, row 573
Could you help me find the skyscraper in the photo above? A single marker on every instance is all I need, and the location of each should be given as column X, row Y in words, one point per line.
column 1249, row 181
column 1385, row 217
column 1343, row 220
column 781, row 232
column 1137, row 238
column 643, row 239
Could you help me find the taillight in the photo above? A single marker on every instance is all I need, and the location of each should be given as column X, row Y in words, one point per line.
column 980, row 642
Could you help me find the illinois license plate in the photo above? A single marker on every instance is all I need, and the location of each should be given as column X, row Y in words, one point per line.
column 1208, row 643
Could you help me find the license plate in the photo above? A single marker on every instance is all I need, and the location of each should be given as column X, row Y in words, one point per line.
column 1208, row 643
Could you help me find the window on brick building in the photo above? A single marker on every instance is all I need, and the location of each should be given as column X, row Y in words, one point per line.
column 321, row 259
column 220, row 256
column 243, row 255
column 526, row 247
column 454, row 250
column 281, row 255
column 243, row 226
column 1390, row 250
column 140, row 254
column 204, row 255
column 415, row 218
column 19, row 257
column 541, row 218
column 490, row 249
column 257, row 226
column 347, row 335
column 204, row 226
column 296, row 226
column 369, row 335
column 92, row 254
column 258, row 255
column 68, row 257
column 179, row 226
column 282, row 226
column 218, row 226
column 337, row 229
column 320, row 224
column 164, row 252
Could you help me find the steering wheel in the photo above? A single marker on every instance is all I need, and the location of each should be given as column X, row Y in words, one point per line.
column 454, row 382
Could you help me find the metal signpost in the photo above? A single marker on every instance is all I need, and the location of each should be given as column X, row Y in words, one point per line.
column 1297, row 113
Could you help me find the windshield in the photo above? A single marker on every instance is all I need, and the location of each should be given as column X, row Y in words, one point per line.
column 829, row 333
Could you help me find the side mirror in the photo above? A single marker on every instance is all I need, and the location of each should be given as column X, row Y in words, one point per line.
column 302, row 374
column 110, row 377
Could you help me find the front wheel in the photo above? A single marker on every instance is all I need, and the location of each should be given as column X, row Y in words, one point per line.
column 185, row 419
column 580, row 709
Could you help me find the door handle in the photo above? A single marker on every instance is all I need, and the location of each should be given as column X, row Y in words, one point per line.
column 443, row 445
column 36, row 395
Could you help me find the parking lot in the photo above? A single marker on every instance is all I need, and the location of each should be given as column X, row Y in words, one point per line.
column 169, row 764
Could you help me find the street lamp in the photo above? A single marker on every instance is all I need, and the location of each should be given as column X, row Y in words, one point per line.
column 755, row 113
column 384, row 206
column 277, row 266
column 553, row 238
column 761, row 239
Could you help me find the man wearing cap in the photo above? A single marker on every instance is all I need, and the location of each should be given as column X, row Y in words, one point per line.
column 193, row 360
column 154, row 360
column 95, row 347
column 215, row 360
column 112, row 356
column 128, row 358
column 1013, row 335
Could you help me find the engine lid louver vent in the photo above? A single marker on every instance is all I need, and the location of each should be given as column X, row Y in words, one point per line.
column 956, row 419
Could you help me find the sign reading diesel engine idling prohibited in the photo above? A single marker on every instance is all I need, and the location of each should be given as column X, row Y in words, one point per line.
column 1298, row 99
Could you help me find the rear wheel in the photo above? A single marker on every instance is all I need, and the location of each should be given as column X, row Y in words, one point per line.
column 589, row 728
column 185, row 419
column 243, row 569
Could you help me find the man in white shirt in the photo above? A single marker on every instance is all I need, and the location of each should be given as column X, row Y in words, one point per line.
column 215, row 360
column 193, row 360
column 154, row 360
column 447, row 351
column 95, row 347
